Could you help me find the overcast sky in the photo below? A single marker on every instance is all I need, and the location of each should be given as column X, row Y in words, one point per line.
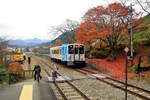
column 24, row 19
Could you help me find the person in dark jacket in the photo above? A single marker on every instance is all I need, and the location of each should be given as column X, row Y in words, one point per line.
column 24, row 57
column 54, row 73
column 37, row 70
column 29, row 60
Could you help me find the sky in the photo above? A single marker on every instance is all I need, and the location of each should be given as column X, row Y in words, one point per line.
column 27, row 19
column 24, row 19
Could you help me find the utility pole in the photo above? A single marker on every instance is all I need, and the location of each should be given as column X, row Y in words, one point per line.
column 131, row 35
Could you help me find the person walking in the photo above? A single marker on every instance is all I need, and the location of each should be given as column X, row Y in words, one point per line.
column 54, row 73
column 37, row 70
column 24, row 57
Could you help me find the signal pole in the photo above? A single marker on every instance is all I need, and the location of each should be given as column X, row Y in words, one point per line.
column 126, row 49
column 131, row 35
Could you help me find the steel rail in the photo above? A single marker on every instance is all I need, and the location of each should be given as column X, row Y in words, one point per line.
column 59, row 89
column 61, row 92
column 81, row 93
column 129, row 85
column 129, row 91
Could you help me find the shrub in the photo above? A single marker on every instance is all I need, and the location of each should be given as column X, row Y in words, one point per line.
column 15, row 67
column 133, row 68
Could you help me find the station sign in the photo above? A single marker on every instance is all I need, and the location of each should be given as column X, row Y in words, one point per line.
column 126, row 49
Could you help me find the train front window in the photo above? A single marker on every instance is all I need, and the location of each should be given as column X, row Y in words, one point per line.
column 71, row 49
column 76, row 50
column 81, row 49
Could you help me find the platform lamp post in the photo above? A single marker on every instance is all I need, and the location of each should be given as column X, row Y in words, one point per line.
column 126, row 49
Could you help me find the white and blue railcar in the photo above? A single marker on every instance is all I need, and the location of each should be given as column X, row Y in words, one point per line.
column 70, row 54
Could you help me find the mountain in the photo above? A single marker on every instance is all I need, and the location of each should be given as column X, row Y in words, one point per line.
column 26, row 43
column 67, row 37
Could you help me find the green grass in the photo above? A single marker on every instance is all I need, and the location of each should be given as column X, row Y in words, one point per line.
column 3, row 70
column 4, row 79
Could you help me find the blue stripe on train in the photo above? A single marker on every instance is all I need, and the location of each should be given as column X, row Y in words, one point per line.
column 64, row 53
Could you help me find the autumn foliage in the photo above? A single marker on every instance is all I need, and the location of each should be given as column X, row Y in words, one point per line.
column 106, row 24
column 15, row 67
column 58, row 43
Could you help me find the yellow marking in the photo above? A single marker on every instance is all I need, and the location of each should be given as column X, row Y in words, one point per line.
column 27, row 92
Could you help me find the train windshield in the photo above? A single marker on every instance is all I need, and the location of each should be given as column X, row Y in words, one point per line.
column 71, row 49
column 76, row 50
column 81, row 49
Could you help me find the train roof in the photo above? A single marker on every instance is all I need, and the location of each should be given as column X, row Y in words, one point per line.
column 64, row 45
column 73, row 44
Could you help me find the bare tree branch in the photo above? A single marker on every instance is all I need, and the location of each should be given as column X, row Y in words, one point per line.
column 148, row 3
column 67, row 26
column 143, row 6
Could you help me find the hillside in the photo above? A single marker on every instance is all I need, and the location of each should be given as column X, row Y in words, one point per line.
column 67, row 37
column 26, row 43
column 146, row 19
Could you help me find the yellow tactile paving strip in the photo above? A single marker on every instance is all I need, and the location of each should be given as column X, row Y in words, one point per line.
column 27, row 93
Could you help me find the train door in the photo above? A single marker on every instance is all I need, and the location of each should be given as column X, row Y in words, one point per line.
column 70, row 53
column 50, row 53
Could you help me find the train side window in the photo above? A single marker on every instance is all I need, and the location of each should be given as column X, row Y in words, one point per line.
column 76, row 50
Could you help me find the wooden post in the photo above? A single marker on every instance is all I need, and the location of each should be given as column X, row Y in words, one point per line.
column 9, row 78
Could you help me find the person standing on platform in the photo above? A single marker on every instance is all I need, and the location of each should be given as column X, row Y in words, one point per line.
column 37, row 70
column 24, row 57
column 29, row 61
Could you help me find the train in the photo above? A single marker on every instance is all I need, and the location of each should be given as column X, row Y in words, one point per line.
column 69, row 54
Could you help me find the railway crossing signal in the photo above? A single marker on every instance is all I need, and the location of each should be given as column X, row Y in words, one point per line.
column 126, row 49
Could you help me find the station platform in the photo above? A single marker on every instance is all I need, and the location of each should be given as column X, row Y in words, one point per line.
column 27, row 90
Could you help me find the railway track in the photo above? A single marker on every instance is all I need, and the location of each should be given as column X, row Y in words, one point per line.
column 67, row 90
column 134, row 90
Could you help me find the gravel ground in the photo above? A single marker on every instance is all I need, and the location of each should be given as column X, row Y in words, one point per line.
column 94, row 89
column 141, row 84
column 101, row 91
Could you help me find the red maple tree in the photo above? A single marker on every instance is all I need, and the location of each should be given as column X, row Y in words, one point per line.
column 107, row 24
